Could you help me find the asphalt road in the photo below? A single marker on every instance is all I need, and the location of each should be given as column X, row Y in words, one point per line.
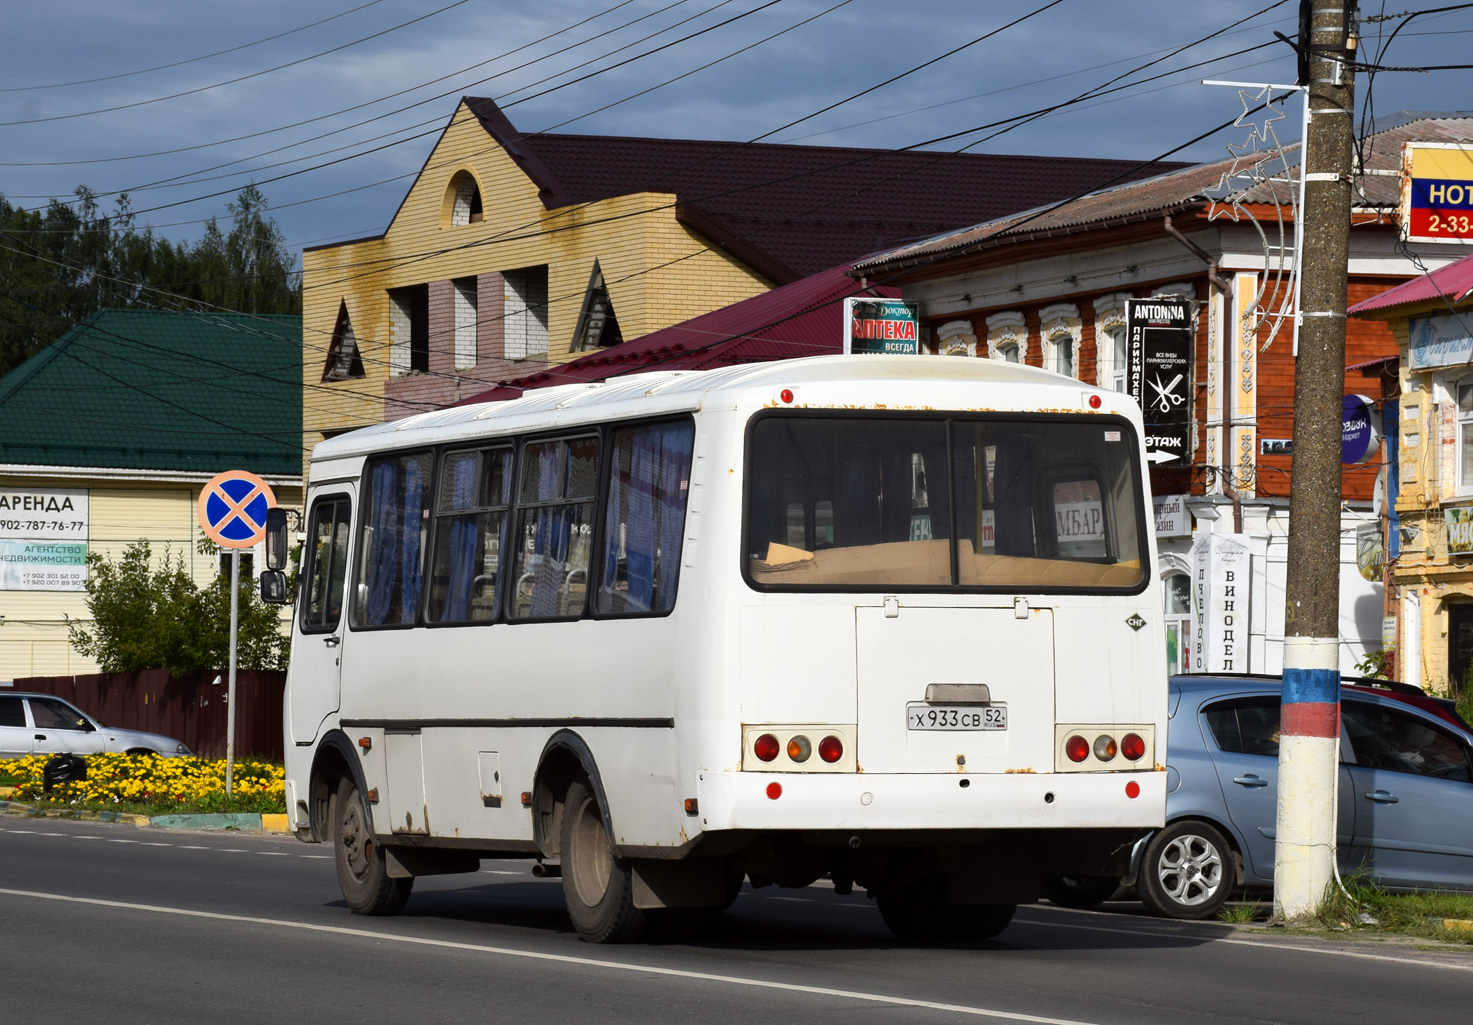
column 110, row 923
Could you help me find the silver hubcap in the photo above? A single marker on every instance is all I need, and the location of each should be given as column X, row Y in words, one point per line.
column 1190, row 870
column 591, row 861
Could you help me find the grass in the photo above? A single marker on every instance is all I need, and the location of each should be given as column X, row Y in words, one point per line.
column 1368, row 909
column 1241, row 914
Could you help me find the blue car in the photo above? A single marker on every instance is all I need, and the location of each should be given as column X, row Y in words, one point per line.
column 1405, row 793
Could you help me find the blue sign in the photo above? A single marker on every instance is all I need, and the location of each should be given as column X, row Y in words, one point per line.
column 1438, row 342
column 232, row 508
column 1360, row 430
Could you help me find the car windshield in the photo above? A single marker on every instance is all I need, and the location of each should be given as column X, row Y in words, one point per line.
column 995, row 503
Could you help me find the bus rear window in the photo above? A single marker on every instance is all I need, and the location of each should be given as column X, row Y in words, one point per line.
column 920, row 503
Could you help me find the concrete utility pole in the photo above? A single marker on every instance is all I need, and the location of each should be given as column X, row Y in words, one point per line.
column 1309, row 757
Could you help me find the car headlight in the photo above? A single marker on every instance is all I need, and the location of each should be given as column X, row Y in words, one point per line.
column 181, row 750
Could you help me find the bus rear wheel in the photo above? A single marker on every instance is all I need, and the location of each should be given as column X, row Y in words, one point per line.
column 363, row 874
column 598, row 887
column 919, row 912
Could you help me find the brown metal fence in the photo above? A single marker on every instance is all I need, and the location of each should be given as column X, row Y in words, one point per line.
column 191, row 708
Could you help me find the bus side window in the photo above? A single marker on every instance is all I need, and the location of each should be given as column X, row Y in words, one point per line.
column 557, row 499
column 470, row 535
column 644, row 519
column 391, row 546
column 327, row 560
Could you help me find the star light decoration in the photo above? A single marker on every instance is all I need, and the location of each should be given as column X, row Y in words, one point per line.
column 1252, row 158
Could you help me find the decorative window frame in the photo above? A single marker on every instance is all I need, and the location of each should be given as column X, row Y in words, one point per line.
column 456, row 194
column 1006, row 328
column 1110, row 314
column 1056, row 323
column 1182, row 289
column 956, row 338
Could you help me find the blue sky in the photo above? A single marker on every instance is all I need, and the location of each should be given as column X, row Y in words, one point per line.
column 172, row 152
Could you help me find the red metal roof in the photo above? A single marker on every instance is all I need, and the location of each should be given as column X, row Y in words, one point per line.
column 805, row 318
column 789, row 211
column 1453, row 282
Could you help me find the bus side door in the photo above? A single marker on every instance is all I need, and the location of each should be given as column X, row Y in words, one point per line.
column 317, row 653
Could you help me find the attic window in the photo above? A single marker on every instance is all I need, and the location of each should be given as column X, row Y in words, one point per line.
column 343, row 360
column 464, row 200
column 598, row 327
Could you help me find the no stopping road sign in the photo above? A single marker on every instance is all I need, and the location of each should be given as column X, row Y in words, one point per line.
column 232, row 508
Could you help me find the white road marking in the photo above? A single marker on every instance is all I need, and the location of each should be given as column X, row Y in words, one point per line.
column 29, row 831
column 111, row 840
column 324, row 857
column 587, row 962
column 499, row 872
column 154, row 843
column 227, row 850
column 274, row 854
column 192, row 847
column 86, row 837
column 1259, row 944
column 799, row 900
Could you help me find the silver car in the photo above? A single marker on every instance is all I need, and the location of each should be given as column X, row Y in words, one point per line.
column 42, row 724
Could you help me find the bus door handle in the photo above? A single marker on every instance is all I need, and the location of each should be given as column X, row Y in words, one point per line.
column 332, row 640
column 1251, row 781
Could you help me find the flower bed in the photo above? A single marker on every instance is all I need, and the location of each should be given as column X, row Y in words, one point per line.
column 152, row 785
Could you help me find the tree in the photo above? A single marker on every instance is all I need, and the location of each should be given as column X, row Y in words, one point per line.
column 147, row 616
column 59, row 267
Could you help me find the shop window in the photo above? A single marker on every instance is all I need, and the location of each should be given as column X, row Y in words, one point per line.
column 525, row 313
column 1464, row 394
column 343, row 359
column 1177, row 597
column 409, row 330
column 463, row 198
column 598, row 327
column 464, row 298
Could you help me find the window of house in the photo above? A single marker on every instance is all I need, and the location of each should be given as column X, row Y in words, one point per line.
column 644, row 518
column 247, row 566
column 1177, row 597
column 1063, row 353
column 1464, row 395
column 1119, row 357
column 409, row 329
column 343, row 359
column 391, row 545
column 465, row 200
column 556, row 497
column 326, row 564
column 598, row 327
column 1009, row 352
column 465, row 301
column 470, row 536
column 524, row 325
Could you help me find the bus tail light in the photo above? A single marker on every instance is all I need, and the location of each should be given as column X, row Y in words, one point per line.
column 1105, row 747
column 766, row 747
column 799, row 748
column 1133, row 747
column 831, row 749
column 1077, row 748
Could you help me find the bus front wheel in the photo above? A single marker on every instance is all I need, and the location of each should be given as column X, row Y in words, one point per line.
column 362, row 872
column 598, row 887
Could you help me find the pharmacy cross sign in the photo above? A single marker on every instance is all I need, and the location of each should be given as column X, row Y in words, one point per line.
column 232, row 508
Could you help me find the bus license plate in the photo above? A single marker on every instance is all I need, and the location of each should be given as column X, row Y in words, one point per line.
column 921, row 716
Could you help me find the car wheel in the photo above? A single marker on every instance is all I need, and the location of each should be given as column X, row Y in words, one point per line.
column 363, row 874
column 598, row 888
column 1081, row 892
column 1187, row 871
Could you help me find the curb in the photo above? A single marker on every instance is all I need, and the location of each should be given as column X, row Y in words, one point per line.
column 246, row 821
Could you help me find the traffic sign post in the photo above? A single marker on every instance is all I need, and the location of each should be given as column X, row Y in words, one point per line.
column 232, row 513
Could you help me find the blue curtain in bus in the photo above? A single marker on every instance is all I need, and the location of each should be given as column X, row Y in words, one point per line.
column 414, row 495
column 381, row 565
column 647, row 491
column 463, row 530
column 551, row 537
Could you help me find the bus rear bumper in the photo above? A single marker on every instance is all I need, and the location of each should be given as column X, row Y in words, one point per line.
column 899, row 801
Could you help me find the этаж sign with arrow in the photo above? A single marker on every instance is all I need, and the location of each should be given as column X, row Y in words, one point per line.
column 1160, row 332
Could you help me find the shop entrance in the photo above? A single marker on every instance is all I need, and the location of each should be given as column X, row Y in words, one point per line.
column 1459, row 643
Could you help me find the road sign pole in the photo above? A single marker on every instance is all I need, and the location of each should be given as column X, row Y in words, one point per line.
column 230, row 689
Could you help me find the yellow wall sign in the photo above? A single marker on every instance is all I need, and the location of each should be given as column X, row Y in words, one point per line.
column 1437, row 192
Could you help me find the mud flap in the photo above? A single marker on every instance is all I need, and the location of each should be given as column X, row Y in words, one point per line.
column 407, row 862
column 688, row 883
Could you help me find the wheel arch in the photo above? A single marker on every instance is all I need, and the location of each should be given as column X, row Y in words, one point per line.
column 333, row 759
column 563, row 756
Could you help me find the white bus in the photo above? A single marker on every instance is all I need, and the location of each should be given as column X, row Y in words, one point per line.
column 887, row 620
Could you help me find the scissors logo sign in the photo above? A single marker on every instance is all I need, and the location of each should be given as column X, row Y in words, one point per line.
column 232, row 508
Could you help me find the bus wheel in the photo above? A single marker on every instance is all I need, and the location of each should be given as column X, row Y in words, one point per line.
column 597, row 887
column 1079, row 891
column 362, row 874
column 919, row 912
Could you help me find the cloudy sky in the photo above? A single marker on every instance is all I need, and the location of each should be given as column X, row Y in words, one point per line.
column 180, row 103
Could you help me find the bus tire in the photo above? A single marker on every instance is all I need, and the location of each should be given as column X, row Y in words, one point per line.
column 919, row 912
column 598, row 888
column 363, row 875
column 1081, row 892
column 1187, row 871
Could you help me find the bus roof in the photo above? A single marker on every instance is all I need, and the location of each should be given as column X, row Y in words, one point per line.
column 661, row 392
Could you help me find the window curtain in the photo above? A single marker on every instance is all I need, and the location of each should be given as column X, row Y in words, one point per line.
column 463, row 537
column 376, row 549
column 647, row 491
column 412, row 531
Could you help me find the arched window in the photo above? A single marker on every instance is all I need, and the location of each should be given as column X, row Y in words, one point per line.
column 463, row 200
column 1177, row 599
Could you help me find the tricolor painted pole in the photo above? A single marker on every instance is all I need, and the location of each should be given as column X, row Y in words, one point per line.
column 230, row 688
column 1304, row 848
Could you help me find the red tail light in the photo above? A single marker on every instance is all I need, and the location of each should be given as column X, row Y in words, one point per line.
column 766, row 747
column 1133, row 747
column 831, row 749
column 1077, row 748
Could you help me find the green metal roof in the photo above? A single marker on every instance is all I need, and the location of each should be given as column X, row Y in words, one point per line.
column 157, row 390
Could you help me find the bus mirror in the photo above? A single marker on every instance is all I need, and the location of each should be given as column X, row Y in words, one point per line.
column 275, row 539
column 273, row 587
